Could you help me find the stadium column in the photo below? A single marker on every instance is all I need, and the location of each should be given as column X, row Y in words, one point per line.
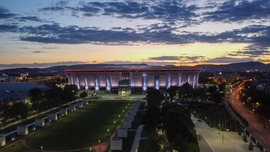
column 96, row 83
column 72, row 81
column 188, row 79
column 194, row 81
column 179, row 80
column 157, row 82
column 86, row 82
column 108, row 83
column 169, row 81
column 78, row 83
column 144, row 82
column 197, row 82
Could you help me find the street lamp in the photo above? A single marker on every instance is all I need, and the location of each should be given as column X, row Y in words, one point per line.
column 41, row 147
column 108, row 131
column 218, row 128
column 194, row 111
column 99, row 144
column 90, row 149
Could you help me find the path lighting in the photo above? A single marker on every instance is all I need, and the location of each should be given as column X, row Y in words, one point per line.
column 41, row 147
column 108, row 131
column 90, row 149
column 99, row 144
column 194, row 111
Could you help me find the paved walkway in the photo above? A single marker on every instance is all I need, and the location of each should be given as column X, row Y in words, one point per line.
column 211, row 139
column 137, row 139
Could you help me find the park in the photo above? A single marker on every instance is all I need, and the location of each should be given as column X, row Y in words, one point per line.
column 84, row 128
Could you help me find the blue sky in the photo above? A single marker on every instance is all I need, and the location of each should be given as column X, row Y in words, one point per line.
column 157, row 32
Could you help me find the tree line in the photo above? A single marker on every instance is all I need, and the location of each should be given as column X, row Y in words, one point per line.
column 186, row 91
column 174, row 121
column 256, row 99
column 40, row 101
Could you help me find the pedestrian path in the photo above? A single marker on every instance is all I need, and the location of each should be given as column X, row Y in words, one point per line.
column 220, row 141
column 137, row 139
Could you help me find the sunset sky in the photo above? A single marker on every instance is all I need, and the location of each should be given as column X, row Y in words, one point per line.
column 45, row 33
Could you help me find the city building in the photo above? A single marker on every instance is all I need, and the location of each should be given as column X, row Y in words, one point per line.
column 127, row 80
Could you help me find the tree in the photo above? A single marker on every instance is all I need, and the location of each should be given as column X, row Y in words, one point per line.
column 83, row 94
column 20, row 110
column 153, row 142
column 69, row 93
column 172, row 91
column 36, row 95
column 5, row 112
column 222, row 86
column 250, row 146
column 154, row 98
column 245, row 138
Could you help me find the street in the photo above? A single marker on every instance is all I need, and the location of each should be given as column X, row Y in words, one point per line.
column 256, row 124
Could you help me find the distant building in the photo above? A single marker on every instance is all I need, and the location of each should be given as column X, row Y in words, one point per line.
column 10, row 91
column 132, row 79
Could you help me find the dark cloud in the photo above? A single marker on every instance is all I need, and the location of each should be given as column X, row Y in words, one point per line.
column 14, row 65
column 4, row 13
column 38, row 52
column 52, row 8
column 164, row 58
column 164, row 10
column 193, row 58
column 228, row 60
column 148, row 63
column 8, row 28
column 29, row 18
column 50, row 48
column 234, row 10
column 154, row 34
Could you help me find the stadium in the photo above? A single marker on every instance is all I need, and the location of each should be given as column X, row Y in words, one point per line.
column 127, row 80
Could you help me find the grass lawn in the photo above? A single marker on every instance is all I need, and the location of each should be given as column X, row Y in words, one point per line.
column 209, row 111
column 83, row 128
column 17, row 147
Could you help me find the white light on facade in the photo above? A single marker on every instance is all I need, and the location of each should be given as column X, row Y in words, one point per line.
column 169, row 81
column 144, row 86
column 180, row 80
column 96, row 83
column 78, row 83
column 86, row 82
column 72, row 82
column 108, row 83
column 194, row 80
column 188, row 79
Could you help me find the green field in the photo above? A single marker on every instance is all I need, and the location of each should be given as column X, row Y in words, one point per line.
column 83, row 128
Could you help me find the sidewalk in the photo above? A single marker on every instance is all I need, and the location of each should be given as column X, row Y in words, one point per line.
column 137, row 139
column 231, row 141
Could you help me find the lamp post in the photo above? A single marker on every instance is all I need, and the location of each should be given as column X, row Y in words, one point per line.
column 41, row 147
column 218, row 128
column 99, row 144
column 108, row 131
column 114, row 123
column 90, row 149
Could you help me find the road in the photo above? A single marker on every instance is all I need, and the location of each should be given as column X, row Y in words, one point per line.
column 256, row 124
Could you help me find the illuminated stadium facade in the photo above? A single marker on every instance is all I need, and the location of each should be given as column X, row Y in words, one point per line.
column 132, row 80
